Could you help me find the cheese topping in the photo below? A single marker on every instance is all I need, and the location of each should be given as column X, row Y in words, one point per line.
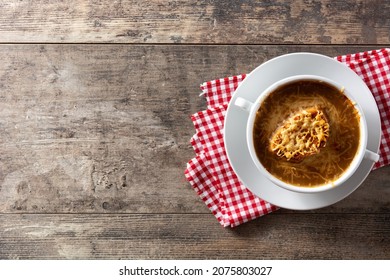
column 301, row 135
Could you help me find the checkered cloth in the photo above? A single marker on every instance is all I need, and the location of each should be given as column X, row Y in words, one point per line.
column 210, row 173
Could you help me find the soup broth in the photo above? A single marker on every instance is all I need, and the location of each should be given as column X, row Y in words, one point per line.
column 342, row 143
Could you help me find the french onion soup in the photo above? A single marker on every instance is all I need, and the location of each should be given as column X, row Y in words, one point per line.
column 306, row 133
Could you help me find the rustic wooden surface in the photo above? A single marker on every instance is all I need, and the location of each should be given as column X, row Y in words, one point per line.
column 95, row 137
column 199, row 22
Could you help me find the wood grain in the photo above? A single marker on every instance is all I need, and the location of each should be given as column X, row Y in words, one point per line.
column 194, row 236
column 194, row 22
column 106, row 128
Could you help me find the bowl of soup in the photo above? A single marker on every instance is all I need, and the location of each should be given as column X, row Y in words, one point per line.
column 305, row 133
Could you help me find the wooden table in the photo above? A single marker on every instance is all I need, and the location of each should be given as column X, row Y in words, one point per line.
column 95, row 105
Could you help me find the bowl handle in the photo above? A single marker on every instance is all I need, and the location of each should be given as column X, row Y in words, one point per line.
column 371, row 156
column 243, row 104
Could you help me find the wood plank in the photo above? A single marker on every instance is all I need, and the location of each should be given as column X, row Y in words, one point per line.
column 106, row 128
column 172, row 236
column 183, row 21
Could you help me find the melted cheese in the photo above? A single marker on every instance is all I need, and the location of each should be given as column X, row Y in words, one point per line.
column 301, row 135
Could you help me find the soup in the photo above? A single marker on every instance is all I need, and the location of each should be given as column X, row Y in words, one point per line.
column 327, row 133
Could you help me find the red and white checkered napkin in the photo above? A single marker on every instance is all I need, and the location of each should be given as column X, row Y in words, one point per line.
column 210, row 173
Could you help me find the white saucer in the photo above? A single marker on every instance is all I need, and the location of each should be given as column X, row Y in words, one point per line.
column 257, row 81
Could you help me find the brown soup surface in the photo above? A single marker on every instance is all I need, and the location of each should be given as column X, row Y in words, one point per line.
column 342, row 143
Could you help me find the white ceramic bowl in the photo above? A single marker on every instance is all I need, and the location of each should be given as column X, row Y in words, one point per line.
column 362, row 152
